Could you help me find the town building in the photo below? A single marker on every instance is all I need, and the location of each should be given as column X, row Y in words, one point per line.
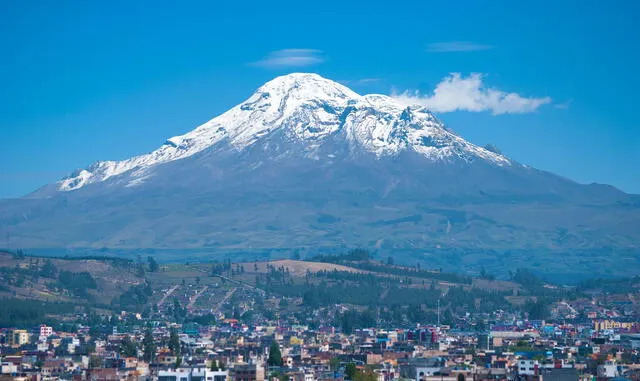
column 248, row 372
column 45, row 331
column 17, row 337
column 192, row 374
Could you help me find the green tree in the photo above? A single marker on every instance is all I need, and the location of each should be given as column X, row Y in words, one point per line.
column 527, row 279
column 174, row 342
column 49, row 270
column 448, row 319
column 365, row 375
column 350, row 371
column 153, row 265
column 19, row 254
column 346, row 322
column 485, row 275
column 95, row 362
column 275, row 356
column 296, row 255
column 61, row 350
column 537, row 310
column 179, row 313
column 128, row 348
column 140, row 270
column 148, row 346
column 88, row 348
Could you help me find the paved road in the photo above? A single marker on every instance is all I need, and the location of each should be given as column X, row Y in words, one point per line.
column 165, row 296
column 224, row 300
column 193, row 300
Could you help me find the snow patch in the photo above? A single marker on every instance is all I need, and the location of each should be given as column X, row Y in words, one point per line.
column 309, row 109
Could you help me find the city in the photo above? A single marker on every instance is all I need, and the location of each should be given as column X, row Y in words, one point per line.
column 330, row 190
column 221, row 325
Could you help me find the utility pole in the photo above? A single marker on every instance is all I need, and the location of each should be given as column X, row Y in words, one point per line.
column 438, row 313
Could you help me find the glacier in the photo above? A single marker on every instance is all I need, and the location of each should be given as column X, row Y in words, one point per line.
column 309, row 108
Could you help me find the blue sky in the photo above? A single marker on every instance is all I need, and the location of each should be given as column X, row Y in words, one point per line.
column 85, row 81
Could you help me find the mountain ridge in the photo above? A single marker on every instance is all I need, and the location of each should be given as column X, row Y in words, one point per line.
column 307, row 163
column 311, row 108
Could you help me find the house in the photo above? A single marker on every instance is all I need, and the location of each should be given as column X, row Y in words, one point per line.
column 45, row 332
column 248, row 372
column 17, row 337
column 192, row 374
column 104, row 374
column 527, row 367
column 7, row 367
column 419, row 369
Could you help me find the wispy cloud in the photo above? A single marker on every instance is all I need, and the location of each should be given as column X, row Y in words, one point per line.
column 456, row 46
column 457, row 93
column 291, row 58
column 361, row 81
column 564, row 105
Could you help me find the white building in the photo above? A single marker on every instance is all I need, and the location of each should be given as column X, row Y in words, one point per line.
column 193, row 374
column 608, row 370
column 419, row 369
column 43, row 346
column 8, row 368
column 528, row 367
column 45, row 332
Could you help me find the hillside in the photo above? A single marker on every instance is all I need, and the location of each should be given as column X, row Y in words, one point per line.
column 41, row 278
column 255, row 292
column 207, row 289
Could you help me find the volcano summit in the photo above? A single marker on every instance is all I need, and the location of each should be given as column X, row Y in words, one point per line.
column 306, row 163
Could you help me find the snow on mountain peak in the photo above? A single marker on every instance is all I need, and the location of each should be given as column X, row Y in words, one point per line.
column 307, row 108
column 305, row 87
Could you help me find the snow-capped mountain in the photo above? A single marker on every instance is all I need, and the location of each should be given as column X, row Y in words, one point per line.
column 307, row 164
column 308, row 109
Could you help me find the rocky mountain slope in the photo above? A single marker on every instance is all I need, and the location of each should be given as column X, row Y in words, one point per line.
column 306, row 163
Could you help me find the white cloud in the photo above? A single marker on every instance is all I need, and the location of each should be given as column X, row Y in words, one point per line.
column 456, row 46
column 456, row 93
column 291, row 58
column 361, row 81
